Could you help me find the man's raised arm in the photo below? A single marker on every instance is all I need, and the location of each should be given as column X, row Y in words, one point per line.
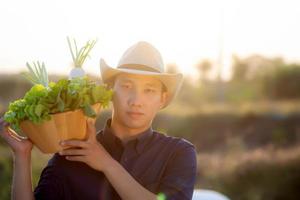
column 21, row 148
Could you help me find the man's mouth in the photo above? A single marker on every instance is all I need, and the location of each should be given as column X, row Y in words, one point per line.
column 135, row 114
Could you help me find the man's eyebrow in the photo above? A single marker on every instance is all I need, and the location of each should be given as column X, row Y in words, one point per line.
column 152, row 84
column 126, row 80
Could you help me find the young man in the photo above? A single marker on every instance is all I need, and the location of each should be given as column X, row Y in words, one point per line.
column 125, row 160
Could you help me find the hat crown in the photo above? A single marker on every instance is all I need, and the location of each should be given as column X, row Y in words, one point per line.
column 143, row 53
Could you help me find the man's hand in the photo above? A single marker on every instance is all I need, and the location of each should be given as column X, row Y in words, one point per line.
column 93, row 154
column 89, row 151
column 21, row 183
column 21, row 146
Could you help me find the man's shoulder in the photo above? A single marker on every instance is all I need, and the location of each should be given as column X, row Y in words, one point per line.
column 174, row 141
column 161, row 138
column 56, row 160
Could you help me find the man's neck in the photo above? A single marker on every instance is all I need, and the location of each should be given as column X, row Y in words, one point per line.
column 125, row 133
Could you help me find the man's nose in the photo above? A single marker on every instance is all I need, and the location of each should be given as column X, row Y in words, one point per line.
column 135, row 98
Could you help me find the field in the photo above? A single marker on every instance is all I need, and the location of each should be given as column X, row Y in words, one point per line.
column 233, row 158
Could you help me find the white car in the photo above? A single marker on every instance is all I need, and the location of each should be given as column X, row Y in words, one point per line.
column 208, row 195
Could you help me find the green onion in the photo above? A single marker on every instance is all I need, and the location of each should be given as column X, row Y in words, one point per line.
column 80, row 56
column 38, row 74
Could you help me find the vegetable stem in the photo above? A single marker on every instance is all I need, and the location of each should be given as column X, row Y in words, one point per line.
column 80, row 56
column 38, row 74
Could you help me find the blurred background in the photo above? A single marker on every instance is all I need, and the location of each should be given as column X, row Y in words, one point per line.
column 240, row 99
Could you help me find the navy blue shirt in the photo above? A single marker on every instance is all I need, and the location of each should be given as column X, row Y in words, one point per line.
column 160, row 163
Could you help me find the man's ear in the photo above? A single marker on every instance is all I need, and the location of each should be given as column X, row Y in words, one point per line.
column 111, row 84
column 164, row 98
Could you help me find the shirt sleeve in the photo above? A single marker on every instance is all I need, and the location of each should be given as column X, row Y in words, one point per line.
column 50, row 186
column 180, row 175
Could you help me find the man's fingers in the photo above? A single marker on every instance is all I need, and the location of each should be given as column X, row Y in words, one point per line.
column 6, row 131
column 14, row 134
column 1, row 120
column 76, row 158
column 3, row 124
column 5, row 134
column 75, row 152
column 74, row 143
column 9, row 134
column 91, row 129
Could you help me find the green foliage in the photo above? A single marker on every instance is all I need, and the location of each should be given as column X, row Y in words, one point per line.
column 5, row 176
column 39, row 161
column 161, row 196
column 240, row 69
column 283, row 82
column 65, row 95
column 253, row 67
column 237, row 92
column 261, row 179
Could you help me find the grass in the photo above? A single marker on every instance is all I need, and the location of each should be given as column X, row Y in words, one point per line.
column 257, row 107
column 265, row 172
column 224, row 171
column 227, row 161
column 262, row 173
column 39, row 161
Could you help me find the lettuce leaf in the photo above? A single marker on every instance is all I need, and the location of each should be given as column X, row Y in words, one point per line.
column 66, row 95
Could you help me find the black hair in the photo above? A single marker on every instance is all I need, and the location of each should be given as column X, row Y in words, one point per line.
column 111, row 82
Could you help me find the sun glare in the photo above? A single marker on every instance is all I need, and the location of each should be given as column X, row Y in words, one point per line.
column 185, row 32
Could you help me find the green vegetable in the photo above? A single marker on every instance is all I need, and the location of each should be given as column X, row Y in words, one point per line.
column 40, row 102
column 80, row 56
column 38, row 74
column 45, row 98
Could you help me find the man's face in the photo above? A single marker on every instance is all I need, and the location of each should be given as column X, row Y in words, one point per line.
column 136, row 100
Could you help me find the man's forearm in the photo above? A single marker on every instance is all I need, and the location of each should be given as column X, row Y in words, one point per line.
column 126, row 186
column 21, row 185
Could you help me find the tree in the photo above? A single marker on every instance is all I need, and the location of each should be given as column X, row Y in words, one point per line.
column 204, row 68
column 283, row 82
column 253, row 67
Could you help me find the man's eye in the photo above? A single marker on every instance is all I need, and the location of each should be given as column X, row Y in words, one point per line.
column 150, row 90
column 126, row 86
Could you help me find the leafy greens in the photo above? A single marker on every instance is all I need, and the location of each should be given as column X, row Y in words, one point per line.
column 66, row 95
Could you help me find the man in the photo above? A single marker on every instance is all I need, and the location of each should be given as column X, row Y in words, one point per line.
column 125, row 160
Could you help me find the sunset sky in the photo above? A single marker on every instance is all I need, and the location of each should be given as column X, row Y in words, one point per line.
column 184, row 31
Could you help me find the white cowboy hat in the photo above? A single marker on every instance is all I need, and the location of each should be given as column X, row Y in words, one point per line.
column 143, row 58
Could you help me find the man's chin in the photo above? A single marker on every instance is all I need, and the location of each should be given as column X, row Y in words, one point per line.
column 135, row 124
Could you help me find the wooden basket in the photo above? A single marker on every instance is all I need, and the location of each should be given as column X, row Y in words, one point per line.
column 62, row 126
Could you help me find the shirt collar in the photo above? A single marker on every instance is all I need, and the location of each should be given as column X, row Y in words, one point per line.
column 140, row 141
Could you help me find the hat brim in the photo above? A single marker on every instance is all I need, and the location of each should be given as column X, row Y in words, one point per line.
column 172, row 82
